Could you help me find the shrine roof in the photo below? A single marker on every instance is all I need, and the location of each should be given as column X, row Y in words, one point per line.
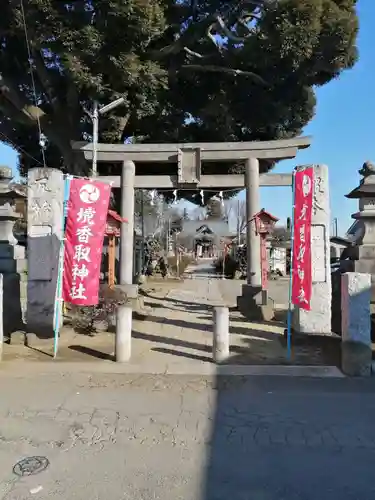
column 267, row 214
column 218, row 227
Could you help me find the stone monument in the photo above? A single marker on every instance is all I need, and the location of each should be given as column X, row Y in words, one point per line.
column 12, row 257
column 356, row 352
column 365, row 194
column 44, row 233
column 318, row 320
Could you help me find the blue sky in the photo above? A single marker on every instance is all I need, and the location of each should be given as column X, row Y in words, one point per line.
column 343, row 132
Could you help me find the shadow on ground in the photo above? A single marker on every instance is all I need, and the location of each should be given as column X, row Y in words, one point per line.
column 289, row 439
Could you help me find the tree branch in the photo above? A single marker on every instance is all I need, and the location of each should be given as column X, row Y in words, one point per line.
column 222, row 69
column 44, row 77
column 18, row 107
column 192, row 53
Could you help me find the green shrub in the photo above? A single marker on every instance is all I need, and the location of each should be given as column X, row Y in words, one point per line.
column 185, row 260
column 230, row 266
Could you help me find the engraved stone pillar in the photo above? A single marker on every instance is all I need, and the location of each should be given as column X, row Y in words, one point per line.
column 318, row 320
column 44, row 231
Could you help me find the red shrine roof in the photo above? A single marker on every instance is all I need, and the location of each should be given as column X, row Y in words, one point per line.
column 263, row 213
column 113, row 223
column 116, row 216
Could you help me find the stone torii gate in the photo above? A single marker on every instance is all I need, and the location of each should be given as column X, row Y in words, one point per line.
column 188, row 159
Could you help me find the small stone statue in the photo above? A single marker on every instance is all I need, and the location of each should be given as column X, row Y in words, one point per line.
column 368, row 168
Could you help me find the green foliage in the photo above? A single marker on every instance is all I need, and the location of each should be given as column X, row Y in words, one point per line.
column 230, row 266
column 225, row 71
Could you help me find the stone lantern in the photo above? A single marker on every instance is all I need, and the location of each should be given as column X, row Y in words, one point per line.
column 264, row 224
column 12, row 256
column 365, row 194
column 10, row 251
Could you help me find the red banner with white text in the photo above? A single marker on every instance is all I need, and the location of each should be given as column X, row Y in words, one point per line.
column 85, row 226
column 301, row 265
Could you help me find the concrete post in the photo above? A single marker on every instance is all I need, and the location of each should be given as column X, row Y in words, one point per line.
column 252, row 207
column 127, row 228
column 123, row 333
column 356, row 353
column 220, row 345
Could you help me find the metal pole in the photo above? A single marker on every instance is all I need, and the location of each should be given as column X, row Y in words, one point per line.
column 238, row 224
column 169, row 234
column 224, row 256
column 143, row 231
column 289, row 320
column 95, row 137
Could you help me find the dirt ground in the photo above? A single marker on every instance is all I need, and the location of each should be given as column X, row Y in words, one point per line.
column 177, row 329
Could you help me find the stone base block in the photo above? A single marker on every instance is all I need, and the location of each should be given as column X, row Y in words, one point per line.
column 255, row 312
column 130, row 290
column 356, row 359
column 13, row 265
column 14, row 252
column 18, row 338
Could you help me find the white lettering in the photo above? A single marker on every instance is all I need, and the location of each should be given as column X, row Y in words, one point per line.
column 79, row 272
column 83, row 234
column 301, row 273
column 86, row 215
column 306, row 185
column 82, row 253
column 302, row 296
column 302, row 233
column 301, row 253
column 77, row 292
column 303, row 212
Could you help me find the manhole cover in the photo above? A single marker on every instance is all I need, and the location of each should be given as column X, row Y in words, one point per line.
column 30, row 466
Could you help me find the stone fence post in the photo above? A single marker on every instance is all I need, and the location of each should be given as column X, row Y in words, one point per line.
column 1, row 318
column 356, row 352
column 220, row 323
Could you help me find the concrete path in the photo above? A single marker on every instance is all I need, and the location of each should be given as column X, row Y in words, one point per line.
column 187, row 438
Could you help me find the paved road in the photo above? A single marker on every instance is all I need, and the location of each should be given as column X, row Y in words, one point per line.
column 171, row 438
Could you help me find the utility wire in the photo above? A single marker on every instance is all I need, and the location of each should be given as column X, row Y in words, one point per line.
column 18, row 148
column 41, row 136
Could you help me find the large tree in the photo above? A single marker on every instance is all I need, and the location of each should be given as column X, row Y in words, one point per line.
column 207, row 70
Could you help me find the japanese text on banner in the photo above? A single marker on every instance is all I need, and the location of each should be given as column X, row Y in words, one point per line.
column 85, row 227
column 301, row 265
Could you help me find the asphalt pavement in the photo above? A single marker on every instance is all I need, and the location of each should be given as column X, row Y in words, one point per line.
column 170, row 437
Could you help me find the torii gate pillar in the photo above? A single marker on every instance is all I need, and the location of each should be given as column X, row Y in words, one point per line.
column 253, row 303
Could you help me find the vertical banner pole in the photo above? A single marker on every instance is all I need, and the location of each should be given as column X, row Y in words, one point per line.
column 58, row 299
column 289, row 320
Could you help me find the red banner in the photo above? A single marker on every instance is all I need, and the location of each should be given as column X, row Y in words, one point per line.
column 301, row 266
column 85, row 226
